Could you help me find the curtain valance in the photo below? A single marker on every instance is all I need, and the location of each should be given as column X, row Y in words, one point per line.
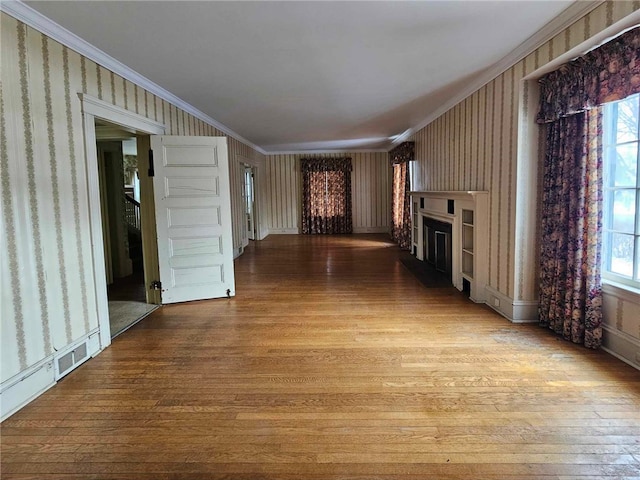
column 610, row 72
column 404, row 152
column 341, row 164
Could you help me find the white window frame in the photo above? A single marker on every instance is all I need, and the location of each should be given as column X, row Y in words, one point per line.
column 609, row 141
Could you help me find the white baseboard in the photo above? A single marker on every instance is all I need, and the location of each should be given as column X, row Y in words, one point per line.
column 29, row 384
column 621, row 345
column 284, row 231
column 516, row 311
column 371, row 230
column 296, row 231
column 19, row 390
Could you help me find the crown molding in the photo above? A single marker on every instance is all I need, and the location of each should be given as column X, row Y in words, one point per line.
column 570, row 15
column 327, row 151
column 331, row 146
column 48, row 27
column 43, row 24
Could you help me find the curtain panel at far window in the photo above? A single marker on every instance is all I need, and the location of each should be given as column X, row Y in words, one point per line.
column 326, row 195
column 570, row 301
column 399, row 158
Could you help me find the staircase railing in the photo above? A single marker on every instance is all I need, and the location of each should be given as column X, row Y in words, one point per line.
column 132, row 212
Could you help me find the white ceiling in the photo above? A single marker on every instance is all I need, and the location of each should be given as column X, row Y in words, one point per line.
column 293, row 76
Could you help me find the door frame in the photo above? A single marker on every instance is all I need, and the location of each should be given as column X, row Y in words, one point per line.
column 257, row 194
column 252, row 169
column 92, row 109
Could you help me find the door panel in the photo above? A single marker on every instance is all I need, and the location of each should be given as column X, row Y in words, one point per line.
column 193, row 216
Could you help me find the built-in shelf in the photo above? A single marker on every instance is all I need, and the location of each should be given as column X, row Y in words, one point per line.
column 467, row 243
column 414, row 230
column 467, row 212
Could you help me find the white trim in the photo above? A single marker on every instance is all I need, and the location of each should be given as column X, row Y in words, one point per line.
column 600, row 38
column 404, row 136
column 516, row 311
column 435, row 205
column 435, row 215
column 35, row 19
column 93, row 108
column 449, row 194
column 621, row 345
column 370, row 229
column 284, row 231
column 120, row 116
column 623, row 292
column 45, row 25
column 22, row 388
column 319, row 152
column 257, row 168
column 19, row 391
column 569, row 16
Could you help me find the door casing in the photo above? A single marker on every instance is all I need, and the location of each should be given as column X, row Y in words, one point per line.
column 92, row 109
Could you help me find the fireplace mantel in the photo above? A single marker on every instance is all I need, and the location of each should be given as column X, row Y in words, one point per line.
column 468, row 213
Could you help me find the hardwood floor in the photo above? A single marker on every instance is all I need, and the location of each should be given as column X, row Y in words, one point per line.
column 332, row 362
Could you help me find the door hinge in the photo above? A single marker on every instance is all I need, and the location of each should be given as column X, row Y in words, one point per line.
column 151, row 171
column 156, row 285
column 228, row 293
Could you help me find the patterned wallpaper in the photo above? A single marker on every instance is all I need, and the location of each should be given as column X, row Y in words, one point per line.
column 47, row 276
column 48, row 298
column 371, row 191
column 474, row 146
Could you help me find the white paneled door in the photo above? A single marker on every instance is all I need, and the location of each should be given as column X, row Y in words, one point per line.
column 193, row 217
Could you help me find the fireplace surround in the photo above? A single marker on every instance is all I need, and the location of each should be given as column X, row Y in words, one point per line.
column 450, row 231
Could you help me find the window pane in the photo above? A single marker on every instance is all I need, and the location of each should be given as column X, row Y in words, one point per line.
column 638, row 258
column 622, row 254
column 624, row 211
column 627, row 124
column 621, row 165
column 607, row 209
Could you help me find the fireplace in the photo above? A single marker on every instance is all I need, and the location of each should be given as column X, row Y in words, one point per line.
column 450, row 234
column 437, row 245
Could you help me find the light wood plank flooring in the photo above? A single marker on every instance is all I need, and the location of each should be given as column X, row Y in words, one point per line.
column 332, row 362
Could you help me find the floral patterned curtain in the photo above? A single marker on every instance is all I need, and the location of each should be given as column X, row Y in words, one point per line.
column 570, row 288
column 326, row 195
column 400, row 199
column 606, row 74
column 570, row 300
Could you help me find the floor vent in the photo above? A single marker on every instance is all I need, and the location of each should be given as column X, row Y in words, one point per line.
column 70, row 360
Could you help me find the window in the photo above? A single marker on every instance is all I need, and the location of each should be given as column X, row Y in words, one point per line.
column 326, row 195
column 621, row 216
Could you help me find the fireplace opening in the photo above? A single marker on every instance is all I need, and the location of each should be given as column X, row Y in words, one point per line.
column 437, row 245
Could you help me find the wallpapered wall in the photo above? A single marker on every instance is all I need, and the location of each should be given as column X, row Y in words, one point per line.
column 47, row 275
column 47, row 280
column 371, row 191
column 473, row 146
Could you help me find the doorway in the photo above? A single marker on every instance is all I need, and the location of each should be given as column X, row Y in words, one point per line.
column 99, row 115
column 249, row 202
column 120, row 201
column 185, row 211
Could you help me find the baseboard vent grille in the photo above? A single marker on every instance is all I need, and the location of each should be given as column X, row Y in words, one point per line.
column 68, row 361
